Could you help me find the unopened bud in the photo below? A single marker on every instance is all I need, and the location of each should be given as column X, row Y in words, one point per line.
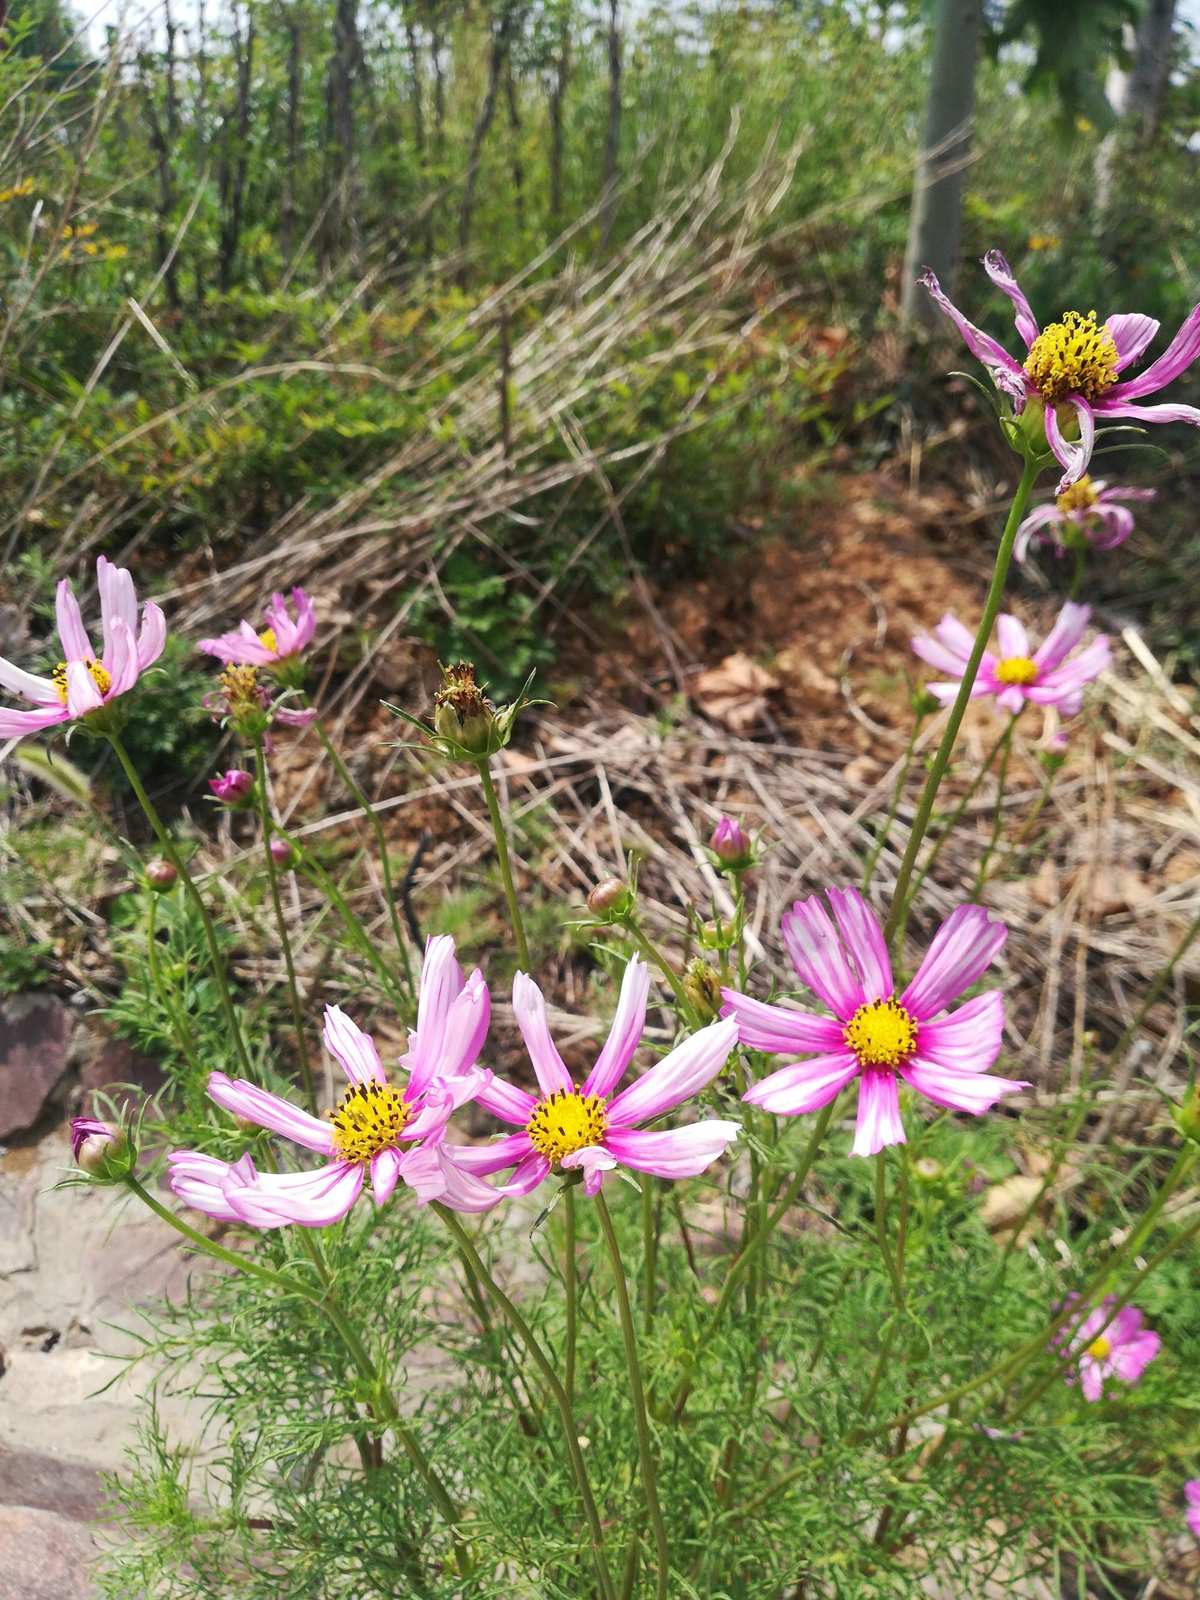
column 462, row 713
column 282, row 853
column 1187, row 1117
column 610, row 900
column 927, row 1169
column 160, row 874
column 232, row 788
column 923, row 703
column 703, row 988
column 101, row 1150
column 732, row 845
column 717, row 935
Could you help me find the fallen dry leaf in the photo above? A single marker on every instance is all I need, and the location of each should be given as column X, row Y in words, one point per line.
column 735, row 693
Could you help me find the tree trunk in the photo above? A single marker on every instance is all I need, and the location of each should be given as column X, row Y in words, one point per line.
column 558, row 94
column 287, row 204
column 418, row 117
column 612, row 135
column 515, row 164
column 1147, row 86
column 343, row 219
column 235, row 156
column 502, row 34
column 935, row 219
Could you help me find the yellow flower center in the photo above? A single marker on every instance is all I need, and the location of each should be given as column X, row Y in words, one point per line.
column 881, row 1034
column 101, row 678
column 1100, row 1348
column 268, row 640
column 240, row 687
column 370, row 1117
column 1081, row 496
column 1016, row 669
column 1074, row 356
column 565, row 1122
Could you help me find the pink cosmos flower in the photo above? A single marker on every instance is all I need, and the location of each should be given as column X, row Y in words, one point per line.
column 84, row 682
column 1017, row 674
column 1075, row 363
column 1103, row 1347
column 872, row 1035
column 280, row 639
column 396, row 1132
column 1089, row 509
column 232, row 787
column 590, row 1127
column 1191, row 1493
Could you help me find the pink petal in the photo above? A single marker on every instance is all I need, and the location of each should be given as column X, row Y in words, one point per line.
column 969, row 1039
column 963, row 948
column 293, row 716
column 483, row 1159
column 675, row 1153
column 1001, row 274
column 82, row 693
column 1132, row 333
column 972, row 1092
column 1011, row 638
column 626, row 1032
column 795, row 1091
column 594, row 1161
column 1011, row 698
column 938, row 656
column 1079, row 670
column 819, row 959
column 1091, row 1379
column 1176, row 358
column 878, row 1121
column 75, row 643
column 120, row 659
column 311, row 1199
column 152, row 636
column 269, row 1111
column 955, row 636
column 535, row 1169
column 530, row 1011
column 1039, row 518
column 506, row 1101
column 863, row 938
column 1167, row 413
column 236, row 651
column 1005, row 373
column 1063, row 636
column 462, row 1191
column 1073, row 458
column 118, row 602
column 1131, row 1358
column 351, row 1048
column 17, row 724
column 41, row 691
column 682, row 1073
column 1116, row 524
column 452, row 1017
column 778, row 1030
column 385, row 1174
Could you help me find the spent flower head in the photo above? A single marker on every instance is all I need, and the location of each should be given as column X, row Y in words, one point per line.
column 466, row 725
column 1091, row 513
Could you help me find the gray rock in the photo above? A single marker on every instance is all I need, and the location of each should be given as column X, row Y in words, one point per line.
column 108, row 1063
column 44, row 1556
column 35, row 1044
column 44, row 1483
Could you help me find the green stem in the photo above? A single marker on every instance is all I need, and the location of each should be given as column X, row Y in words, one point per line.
column 502, row 856
column 893, row 1269
column 650, row 1252
column 285, row 943
column 650, row 952
column 641, row 1420
column 210, row 933
column 897, row 791
column 527, row 1337
column 571, row 1292
column 941, row 760
column 179, row 1023
column 376, row 827
column 998, row 814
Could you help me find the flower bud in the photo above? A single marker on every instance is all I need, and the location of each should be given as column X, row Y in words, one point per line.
column 927, row 1169
column 717, row 935
column 732, row 845
column 610, row 900
column 462, row 713
column 282, row 853
column 703, row 988
column 923, row 703
column 233, row 788
column 101, row 1150
column 160, row 874
column 1187, row 1117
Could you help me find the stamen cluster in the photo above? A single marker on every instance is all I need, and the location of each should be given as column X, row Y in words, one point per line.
column 369, row 1118
column 1021, row 670
column 1081, row 496
column 99, row 675
column 1076, row 356
column 881, row 1033
column 566, row 1121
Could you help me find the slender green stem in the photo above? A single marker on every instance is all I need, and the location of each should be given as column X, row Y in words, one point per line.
column 985, row 860
column 641, row 1420
column 528, row 1338
column 285, row 943
column 1162, row 978
column 649, row 1251
column 941, row 760
column 753, row 1247
column 172, row 854
column 893, row 1269
column 183, row 1033
column 650, row 952
column 897, row 791
column 502, row 857
column 376, row 827
column 571, row 1292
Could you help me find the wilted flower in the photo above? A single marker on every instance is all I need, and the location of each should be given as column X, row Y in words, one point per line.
column 1074, row 365
column 872, row 1035
column 281, row 639
column 233, row 788
column 396, row 1132
column 1104, row 1346
column 732, row 845
column 282, row 853
column 83, row 683
column 160, row 874
column 591, row 1128
column 100, row 1149
column 1088, row 513
column 1191, row 1493
column 1016, row 675
column 466, row 725
column 703, row 988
